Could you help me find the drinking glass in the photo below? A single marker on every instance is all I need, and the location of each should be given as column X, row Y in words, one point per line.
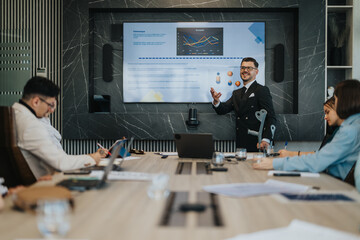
column 218, row 159
column 241, row 154
column 159, row 187
column 269, row 150
column 258, row 157
column 53, row 218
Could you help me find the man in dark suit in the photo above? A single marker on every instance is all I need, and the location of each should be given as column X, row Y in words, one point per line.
column 245, row 102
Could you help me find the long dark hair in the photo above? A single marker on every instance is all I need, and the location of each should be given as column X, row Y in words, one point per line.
column 348, row 98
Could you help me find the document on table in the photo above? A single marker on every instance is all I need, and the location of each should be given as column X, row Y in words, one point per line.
column 123, row 175
column 298, row 230
column 302, row 174
column 254, row 189
column 105, row 161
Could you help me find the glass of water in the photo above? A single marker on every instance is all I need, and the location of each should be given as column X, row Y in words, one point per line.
column 258, row 157
column 241, row 154
column 218, row 159
column 53, row 217
column 158, row 188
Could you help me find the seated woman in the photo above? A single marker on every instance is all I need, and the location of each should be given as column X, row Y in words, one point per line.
column 339, row 155
column 333, row 122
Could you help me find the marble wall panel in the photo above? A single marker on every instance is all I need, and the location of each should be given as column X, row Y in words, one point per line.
column 160, row 121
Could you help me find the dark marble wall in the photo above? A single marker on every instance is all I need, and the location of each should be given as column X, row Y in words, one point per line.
column 85, row 33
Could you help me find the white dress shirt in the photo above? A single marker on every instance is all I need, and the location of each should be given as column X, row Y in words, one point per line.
column 54, row 134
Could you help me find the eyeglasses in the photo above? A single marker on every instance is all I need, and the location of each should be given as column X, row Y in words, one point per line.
column 50, row 105
column 247, row 68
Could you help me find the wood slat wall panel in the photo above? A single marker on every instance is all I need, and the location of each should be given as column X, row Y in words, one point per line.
column 40, row 22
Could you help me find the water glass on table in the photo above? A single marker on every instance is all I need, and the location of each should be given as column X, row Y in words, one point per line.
column 258, row 157
column 218, row 159
column 53, row 217
column 158, row 188
column 241, row 154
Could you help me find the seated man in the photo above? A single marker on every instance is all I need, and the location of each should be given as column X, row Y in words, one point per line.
column 33, row 139
column 53, row 132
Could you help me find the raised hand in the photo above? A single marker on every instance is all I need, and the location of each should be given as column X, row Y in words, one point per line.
column 215, row 95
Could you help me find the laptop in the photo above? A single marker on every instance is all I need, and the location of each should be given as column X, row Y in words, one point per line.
column 190, row 145
column 123, row 152
column 82, row 184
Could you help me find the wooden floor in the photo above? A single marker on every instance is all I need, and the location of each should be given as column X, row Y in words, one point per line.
column 123, row 210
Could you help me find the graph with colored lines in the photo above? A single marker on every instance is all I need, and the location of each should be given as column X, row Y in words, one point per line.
column 199, row 41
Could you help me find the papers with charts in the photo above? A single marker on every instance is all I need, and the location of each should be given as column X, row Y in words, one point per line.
column 254, row 189
column 122, row 175
column 298, row 230
column 105, row 161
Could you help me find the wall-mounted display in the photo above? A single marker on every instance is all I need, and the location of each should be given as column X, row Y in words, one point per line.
column 180, row 61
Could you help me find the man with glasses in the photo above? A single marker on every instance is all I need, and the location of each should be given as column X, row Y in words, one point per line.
column 245, row 102
column 53, row 132
column 34, row 140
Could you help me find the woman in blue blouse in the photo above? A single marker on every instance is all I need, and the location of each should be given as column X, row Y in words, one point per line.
column 339, row 155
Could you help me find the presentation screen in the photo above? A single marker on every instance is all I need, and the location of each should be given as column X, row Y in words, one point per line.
column 178, row 62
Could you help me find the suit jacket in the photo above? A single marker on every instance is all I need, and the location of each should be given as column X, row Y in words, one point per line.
column 41, row 154
column 245, row 108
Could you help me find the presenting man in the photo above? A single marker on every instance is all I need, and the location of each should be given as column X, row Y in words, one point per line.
column 245, row 102
column 41, row 154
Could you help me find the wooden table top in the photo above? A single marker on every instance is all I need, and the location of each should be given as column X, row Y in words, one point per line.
column 123, row 210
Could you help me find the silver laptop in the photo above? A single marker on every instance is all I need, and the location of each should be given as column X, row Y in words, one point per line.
column 190, row 145
column 82, row 184
column 127, row 150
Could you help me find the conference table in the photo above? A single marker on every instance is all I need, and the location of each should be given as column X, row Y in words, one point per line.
column 123, row 209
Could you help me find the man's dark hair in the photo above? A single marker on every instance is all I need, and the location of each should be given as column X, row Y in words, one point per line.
column 41, row 86
column 250, row 59
column 348, row 98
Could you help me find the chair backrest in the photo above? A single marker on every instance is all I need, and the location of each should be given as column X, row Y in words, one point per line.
column 350, row 178
column 13, row 167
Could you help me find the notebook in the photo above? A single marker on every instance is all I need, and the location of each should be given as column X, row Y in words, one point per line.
column 82, row 184
column 190, row 145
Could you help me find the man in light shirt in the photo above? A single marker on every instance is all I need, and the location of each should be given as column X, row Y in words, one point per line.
column 34, row 140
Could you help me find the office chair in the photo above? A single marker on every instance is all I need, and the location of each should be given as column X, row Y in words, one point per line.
column 350, row 178
column 13, row 166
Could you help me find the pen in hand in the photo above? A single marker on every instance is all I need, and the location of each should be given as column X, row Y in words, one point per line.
column 286, row 143
column 100, row 146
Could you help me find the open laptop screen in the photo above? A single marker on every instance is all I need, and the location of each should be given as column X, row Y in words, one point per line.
column 194, row 145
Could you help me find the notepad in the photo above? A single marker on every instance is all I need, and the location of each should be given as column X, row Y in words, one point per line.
column 134, row 176
column 255, row 189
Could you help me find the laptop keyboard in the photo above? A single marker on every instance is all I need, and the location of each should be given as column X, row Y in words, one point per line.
column 73, row 183
column 114, row 168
